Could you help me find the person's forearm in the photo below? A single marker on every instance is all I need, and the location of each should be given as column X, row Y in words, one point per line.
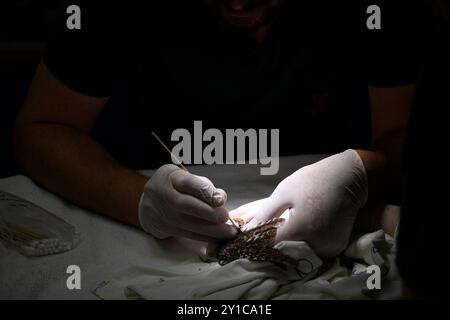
column 69, row 163
column 383, row 167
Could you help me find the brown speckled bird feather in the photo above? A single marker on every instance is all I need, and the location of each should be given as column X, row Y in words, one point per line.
column 256, row 244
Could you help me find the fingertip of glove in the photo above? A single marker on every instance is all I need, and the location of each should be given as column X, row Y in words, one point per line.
column 251, row 225
column 222, row 216
column 230, row 232
column 219, row 198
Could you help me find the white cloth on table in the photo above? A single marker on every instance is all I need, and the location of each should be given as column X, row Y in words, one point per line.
column 108, row 246
column 243, row 279
column 347, row 277
column 240, row 279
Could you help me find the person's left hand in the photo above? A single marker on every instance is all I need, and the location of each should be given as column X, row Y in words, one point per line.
column 322, row 200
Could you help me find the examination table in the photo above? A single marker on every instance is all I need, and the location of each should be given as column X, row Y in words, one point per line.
column 108, row 246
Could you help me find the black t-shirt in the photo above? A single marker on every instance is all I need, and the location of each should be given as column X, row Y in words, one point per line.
column 167, row 64
column 423, row 230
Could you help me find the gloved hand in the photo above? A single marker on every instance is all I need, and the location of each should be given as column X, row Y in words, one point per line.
column 322, row 199
column 177, row 203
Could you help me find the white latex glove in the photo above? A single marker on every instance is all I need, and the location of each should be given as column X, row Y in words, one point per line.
column 177, row 203
column 322, row 200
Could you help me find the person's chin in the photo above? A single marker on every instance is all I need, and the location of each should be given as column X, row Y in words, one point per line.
column 243, row 21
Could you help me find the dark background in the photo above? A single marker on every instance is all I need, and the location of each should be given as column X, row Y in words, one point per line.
column 24, row 29
column 23, row 32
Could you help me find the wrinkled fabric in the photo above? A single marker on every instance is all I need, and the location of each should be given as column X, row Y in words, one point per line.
column 341, row 278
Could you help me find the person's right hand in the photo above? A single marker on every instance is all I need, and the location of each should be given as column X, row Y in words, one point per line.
column 177, row 203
